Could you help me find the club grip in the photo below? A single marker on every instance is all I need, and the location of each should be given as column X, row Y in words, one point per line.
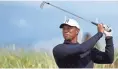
column 94, row 23
column 107, row 29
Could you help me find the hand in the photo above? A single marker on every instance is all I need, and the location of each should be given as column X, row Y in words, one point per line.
column 107, row 33
column 106, row 28
column 100, row 28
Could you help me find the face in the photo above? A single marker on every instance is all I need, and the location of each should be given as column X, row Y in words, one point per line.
column 69, row 32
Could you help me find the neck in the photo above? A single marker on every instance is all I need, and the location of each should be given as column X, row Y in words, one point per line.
column 73, row 40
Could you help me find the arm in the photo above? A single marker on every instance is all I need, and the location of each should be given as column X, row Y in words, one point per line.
column 65, row 50
column 104, row 57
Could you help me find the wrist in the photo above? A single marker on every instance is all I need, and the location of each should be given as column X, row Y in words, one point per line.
column 108, row 37
column 100, row 34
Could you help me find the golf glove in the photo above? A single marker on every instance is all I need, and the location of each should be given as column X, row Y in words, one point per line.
column 106, row 32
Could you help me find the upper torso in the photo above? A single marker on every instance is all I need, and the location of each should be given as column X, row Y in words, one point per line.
column 76, row 60
column 69, row 55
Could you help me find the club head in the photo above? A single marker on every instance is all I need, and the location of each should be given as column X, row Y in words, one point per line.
column 42, row 4
column 65, row 19
column 97, row 21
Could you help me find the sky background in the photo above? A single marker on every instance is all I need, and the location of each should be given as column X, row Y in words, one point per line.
column 25, row 24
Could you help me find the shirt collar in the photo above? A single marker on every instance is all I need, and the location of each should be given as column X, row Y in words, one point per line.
column 68, row 42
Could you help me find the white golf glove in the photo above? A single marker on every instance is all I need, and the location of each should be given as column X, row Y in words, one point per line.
column 106, row 29
column 106, row 32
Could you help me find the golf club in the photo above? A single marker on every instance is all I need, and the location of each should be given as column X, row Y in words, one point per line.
column 44, row 2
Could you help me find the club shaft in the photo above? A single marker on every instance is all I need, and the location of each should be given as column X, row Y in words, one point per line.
column 72, row 13
column 94, row 23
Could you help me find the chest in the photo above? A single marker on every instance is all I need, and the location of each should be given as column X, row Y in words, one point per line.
column 77, row 60
column 79, row 57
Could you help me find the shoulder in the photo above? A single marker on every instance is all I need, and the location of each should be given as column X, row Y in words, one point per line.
column 56, row 50
column 57, row 47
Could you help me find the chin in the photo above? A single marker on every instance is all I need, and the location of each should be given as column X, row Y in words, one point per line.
column 68, row 39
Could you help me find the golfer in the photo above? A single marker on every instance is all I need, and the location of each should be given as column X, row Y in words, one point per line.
column 72, row 54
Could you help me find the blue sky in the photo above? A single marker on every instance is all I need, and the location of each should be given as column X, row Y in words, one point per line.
column 24, row 22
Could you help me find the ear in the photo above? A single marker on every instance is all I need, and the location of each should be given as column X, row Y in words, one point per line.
column 77, row 31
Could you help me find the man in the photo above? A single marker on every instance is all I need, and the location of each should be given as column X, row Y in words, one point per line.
column 71, row 54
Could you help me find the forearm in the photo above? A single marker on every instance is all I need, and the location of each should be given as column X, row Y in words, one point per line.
column 109, row 49
column 106, row 57
column 91, row 42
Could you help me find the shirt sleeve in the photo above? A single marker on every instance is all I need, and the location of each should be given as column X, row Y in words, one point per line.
column 106, row 57
column 62, row 51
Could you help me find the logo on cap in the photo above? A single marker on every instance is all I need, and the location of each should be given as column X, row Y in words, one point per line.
column 67, row 21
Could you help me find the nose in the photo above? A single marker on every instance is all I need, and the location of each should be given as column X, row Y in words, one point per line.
column 65, row 30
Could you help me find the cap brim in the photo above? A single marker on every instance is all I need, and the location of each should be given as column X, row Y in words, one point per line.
column 61, row 26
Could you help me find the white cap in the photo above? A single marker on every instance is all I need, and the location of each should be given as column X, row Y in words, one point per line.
column 70, row 22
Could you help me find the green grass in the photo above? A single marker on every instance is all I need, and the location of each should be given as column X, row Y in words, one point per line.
column 31, row 59
column 22, row 59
